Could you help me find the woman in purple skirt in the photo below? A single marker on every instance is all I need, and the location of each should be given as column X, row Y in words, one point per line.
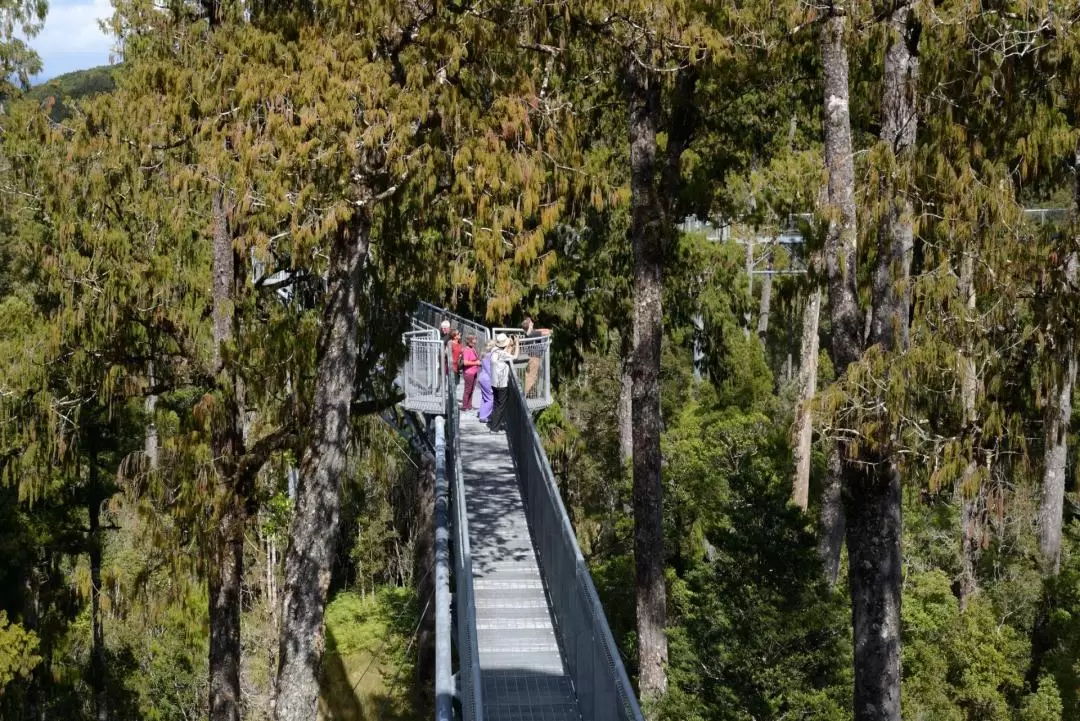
column 487, row 396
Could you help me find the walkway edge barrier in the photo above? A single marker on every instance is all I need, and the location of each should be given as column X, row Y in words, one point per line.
column 444, row 672
column 468, row 652
column 599, row 677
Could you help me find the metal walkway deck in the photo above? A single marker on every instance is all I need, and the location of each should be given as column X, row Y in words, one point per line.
column 523, row 635
column 522, row 672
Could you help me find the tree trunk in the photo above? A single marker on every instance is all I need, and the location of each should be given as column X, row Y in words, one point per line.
column 271, row 599
column 150, row 445
column 226, row 562
column 804, row 408
column 316, row 520
column 840, row 241
column 226, row 575
column 1056, row 432
column 840, row 259
column 98, row 666
column 872, row 482
column 971, row 500
column 972, row 512
column 749, row 284
column 626, row 408
column 766, row 300
column 873, row 541
column 1052, row 501
column 646, row 236
column 33, row 709
column 833, row 519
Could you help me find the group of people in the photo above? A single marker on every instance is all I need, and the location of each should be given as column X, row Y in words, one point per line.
column 490, row 370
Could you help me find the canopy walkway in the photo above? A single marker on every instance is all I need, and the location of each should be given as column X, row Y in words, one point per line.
column 523, row 636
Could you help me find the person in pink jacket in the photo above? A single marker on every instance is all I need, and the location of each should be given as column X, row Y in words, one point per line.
column 471, row 365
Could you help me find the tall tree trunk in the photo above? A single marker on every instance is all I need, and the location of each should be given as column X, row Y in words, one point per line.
column 971, row 501
column 749, row 282
column 804, row 408
column 1058, row 414
column 872, row 489
column 316, row 520
column 626, row 409
column 646, row 236
column 150, row 443
column 1056, row 433
column 765, row 306
column 972, row 513
column 840, row 241
column 226, row 575
column 33, row 709
column 872, row 500
column 833, row 518
column 97, row 655
column 840, row 260
column 226, row 562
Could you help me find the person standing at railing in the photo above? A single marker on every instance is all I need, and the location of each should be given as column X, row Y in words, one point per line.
column 444, row 336
column 455, row 353
column 533, row 351
column 470, row 364
column 502, row 357
column 483, row 378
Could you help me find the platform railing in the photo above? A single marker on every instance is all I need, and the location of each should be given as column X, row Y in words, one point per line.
column 433, row 316
column 599, row 677
column 419, row 325
column 533, row 367
column 533, row 371
column 468, row 654
column 425, row 369
column 423, row 376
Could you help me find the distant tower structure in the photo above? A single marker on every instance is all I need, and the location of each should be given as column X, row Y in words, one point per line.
column 757, row 263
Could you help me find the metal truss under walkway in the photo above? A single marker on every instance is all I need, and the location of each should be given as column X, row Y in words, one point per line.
column 520, row 632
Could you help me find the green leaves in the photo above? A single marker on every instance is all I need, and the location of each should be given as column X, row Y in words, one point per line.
column 18, row 61
column 17, row 651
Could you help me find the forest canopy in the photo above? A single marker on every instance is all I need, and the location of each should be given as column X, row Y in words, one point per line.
column 810, row 271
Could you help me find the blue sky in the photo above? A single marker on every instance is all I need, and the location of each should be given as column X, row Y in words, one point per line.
column 71, row 38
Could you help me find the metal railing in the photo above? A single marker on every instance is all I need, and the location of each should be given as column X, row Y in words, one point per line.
column 601, row 685
column 1044, row 216
column 592, row 659
column 432, row 316
column 533, row 371
column 444, row 672
column 423, row 376
column 533, row 367
column 419, row 325
column 468, row 654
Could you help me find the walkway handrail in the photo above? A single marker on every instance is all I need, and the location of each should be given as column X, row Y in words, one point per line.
column 444, row 672
column 600, row 680
column 534, row 359
column 425, row 367
column 423, row 376
column 468, row 652
column 432, row 315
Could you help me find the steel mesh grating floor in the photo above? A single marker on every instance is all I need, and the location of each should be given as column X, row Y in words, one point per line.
column 521, row 667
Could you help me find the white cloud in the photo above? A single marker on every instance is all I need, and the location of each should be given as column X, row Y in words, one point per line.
column 71, row 38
